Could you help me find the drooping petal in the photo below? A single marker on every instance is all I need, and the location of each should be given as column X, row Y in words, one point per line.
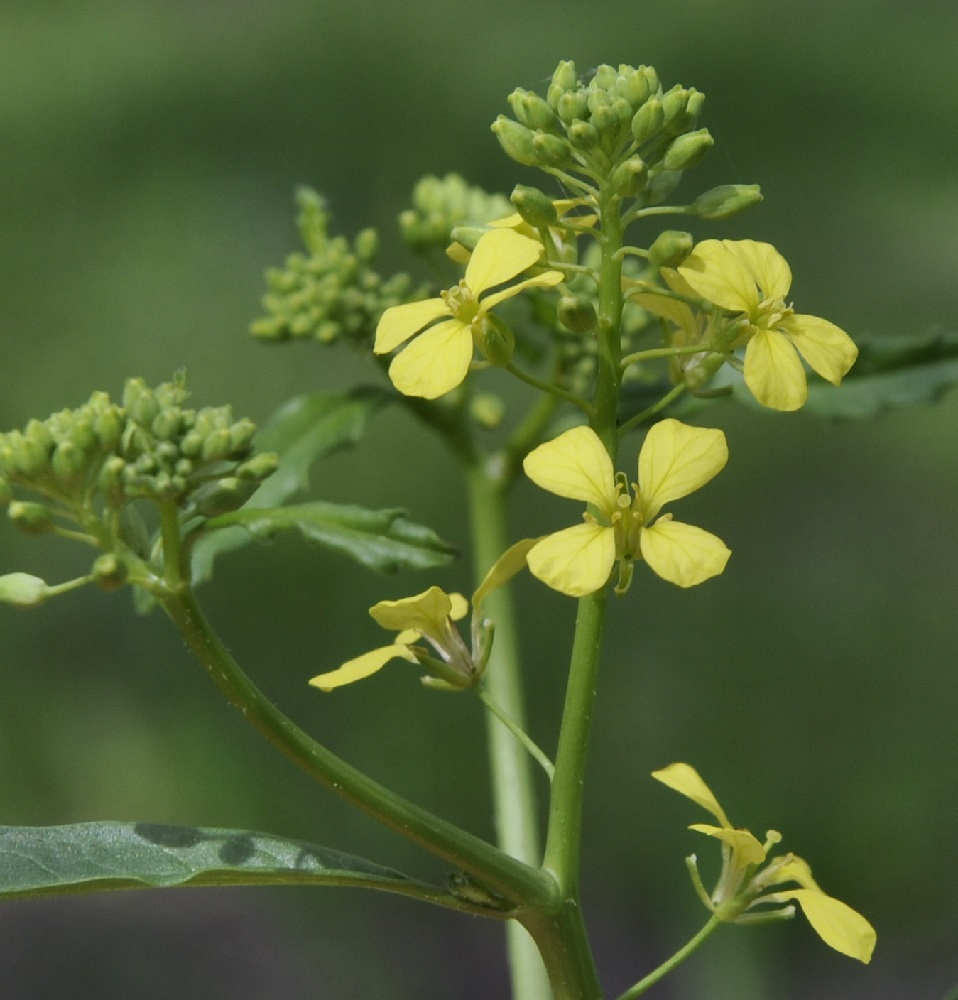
column 575, row 465
column 766, row 265
column 576, row 561
column 836, row 923
column 426, row 613
column 684, row 779
column 673, row 310
column 548, row 279
column 826, row 347
column 681, row 553
column 746, row 848
column 676, row 460
column 362, row 666
column 399, row 323
column 435, row 362
column 503, row 570
column 795, row 869
column 716, row 274
column 773, row 371
column 499, row 256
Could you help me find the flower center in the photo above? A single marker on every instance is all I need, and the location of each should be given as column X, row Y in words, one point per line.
column 461, row 302
column 770, row 313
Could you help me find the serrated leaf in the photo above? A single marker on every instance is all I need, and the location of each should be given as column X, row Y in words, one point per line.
column 301, row 431
column 384, row 540
column 88, row 857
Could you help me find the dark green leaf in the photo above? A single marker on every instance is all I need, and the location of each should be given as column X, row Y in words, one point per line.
column 88, row 857
column 383, row 540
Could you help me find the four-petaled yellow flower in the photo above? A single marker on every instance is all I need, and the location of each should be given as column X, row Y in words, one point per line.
column 430, row 616
column 743, row 882
column 438, row 359
column 744, row 276
column 675, row 460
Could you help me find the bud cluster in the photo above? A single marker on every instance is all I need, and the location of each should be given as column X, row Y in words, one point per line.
column 332, row 291
column 87, row 463
column 439, row 205
column 619, row 124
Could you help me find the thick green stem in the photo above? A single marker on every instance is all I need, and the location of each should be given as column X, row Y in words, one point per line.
column 493, row 869
column 514, row 799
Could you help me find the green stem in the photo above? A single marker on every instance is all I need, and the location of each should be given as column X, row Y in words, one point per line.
column 640, row 418
column 493, row 869
column 513, row 789
column 548, row 387
column 666, row 967
column 520, row 734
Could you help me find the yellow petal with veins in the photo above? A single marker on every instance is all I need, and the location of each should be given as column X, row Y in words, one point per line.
column 399, row 323
column 362, row 666
column 684, row 779
column 499, row 256
column 773, row 371
column 766, row 265
column 746, row 848
column 576, row 561
column 435, row 362
column 676, row 460
column 716, row 274
column 826, row 347
column 836, row 923
column 574, row 465
column 681, row 553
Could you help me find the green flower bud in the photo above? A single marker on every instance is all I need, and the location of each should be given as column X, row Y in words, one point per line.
column 166, row 424
column 573, row 105
column 563, row 79
column 259, row 467
column 110, row 481
column 726, row 200
column 629, row 177
column 140, row 402
column 22, row 590
column 622, row 110
column 30, row 518
column 634, row 87
column 605, row 77
column 516, row 141
column 670, row 248
column 108, row 427
column 68, row 462
column 227, row 495
column 32, row 458
column 534, row 206
column 577, row 313
column 37, row 433
column 687, row 150
column 550, row 150
column 241, row 436
column 192, row 443
column 468, row 236
column 673, row 104
column 109, row 571
column 366, row 244
column 487, row 410
column 532, row 111
column 652, row 76
column 647, row 120
column 583, row 135
column 217, row 446
column 496, row 342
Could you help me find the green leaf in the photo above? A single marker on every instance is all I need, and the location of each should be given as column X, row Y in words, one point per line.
column 382, row 540
column 301, row 431
column 90, row 857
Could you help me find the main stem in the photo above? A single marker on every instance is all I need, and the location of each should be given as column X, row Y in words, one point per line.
column 513, row 789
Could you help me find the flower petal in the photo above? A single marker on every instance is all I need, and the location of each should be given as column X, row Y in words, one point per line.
column 576, row 561
column 427, row 612
column 362, row 666
column 671, row 309
column 575, row 465
column 503, row 570
column 773, row 371
column 435, row 362
column 684, row 779
column 826, row 347
column 548, row 279
column 399, row 323
column 499, row 256
column 712, row 271
column 676, row 460
column 836, row 923
column 746, row 848
column 681, row 553
column 766, row 265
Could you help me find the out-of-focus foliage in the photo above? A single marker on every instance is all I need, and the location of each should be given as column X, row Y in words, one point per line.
column 149, row 160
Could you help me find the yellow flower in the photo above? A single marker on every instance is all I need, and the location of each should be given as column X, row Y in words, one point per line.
column 438, row 359
column 675, row 460
column 743, row 883
column 743, row 276
column 430, row 616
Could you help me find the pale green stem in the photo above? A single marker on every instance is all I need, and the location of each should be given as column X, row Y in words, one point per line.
column 666, row 967
column 548, row 387
column 520, row 734
column 640, row 418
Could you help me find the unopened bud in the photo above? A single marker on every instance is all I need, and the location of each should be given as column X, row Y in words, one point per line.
column 516, row 140
column 68, row 462
column 229, row 494
column 550, row 150
column 31, row 518
column 534, row 206
column 22, row 590
column 687, row 150
column 634, row 87
column 109, row 571
column 108, row 428
column 583, row 135
column 217, row 445
column 670, row 248
column 647, row 121
column 726, row 200
column 259, row 467
column 564, row 78
column 572, row 105
column 496, row 342
column 532, row 111
column 577, row 313
column 629, row 177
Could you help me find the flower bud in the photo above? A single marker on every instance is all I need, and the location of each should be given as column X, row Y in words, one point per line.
column 634, row 87
column 227, row 495
column 496, row 342
column 605, row 77
column 673, row 104
column 22, row 590
column 629, row 177
column 217, row 445
column 670, row 248
column 573, row 105
column 109, row 571
column 563, row 79
column 550, row 150
column 110, row 481
column 726, row 200
column 241, row 436
column 687, row 150
column 31, row 457
column 108, row 427
column 140, row 402
column 534, row 206
column 516, row 141
column 532, row 111
column 259, row 467
column 583, row 135
column 68, row 462
column 647, row 121
column 166, row 424
column 577, row 313
column 30, row 518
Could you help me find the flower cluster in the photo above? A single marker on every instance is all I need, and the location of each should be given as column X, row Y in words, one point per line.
column 749, row 872
column 675, row 460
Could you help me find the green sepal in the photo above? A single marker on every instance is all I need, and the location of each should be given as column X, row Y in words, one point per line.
column 382, row 540
column 95, row 857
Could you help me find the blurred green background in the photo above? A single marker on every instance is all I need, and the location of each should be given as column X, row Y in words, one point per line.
column 148, row 155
